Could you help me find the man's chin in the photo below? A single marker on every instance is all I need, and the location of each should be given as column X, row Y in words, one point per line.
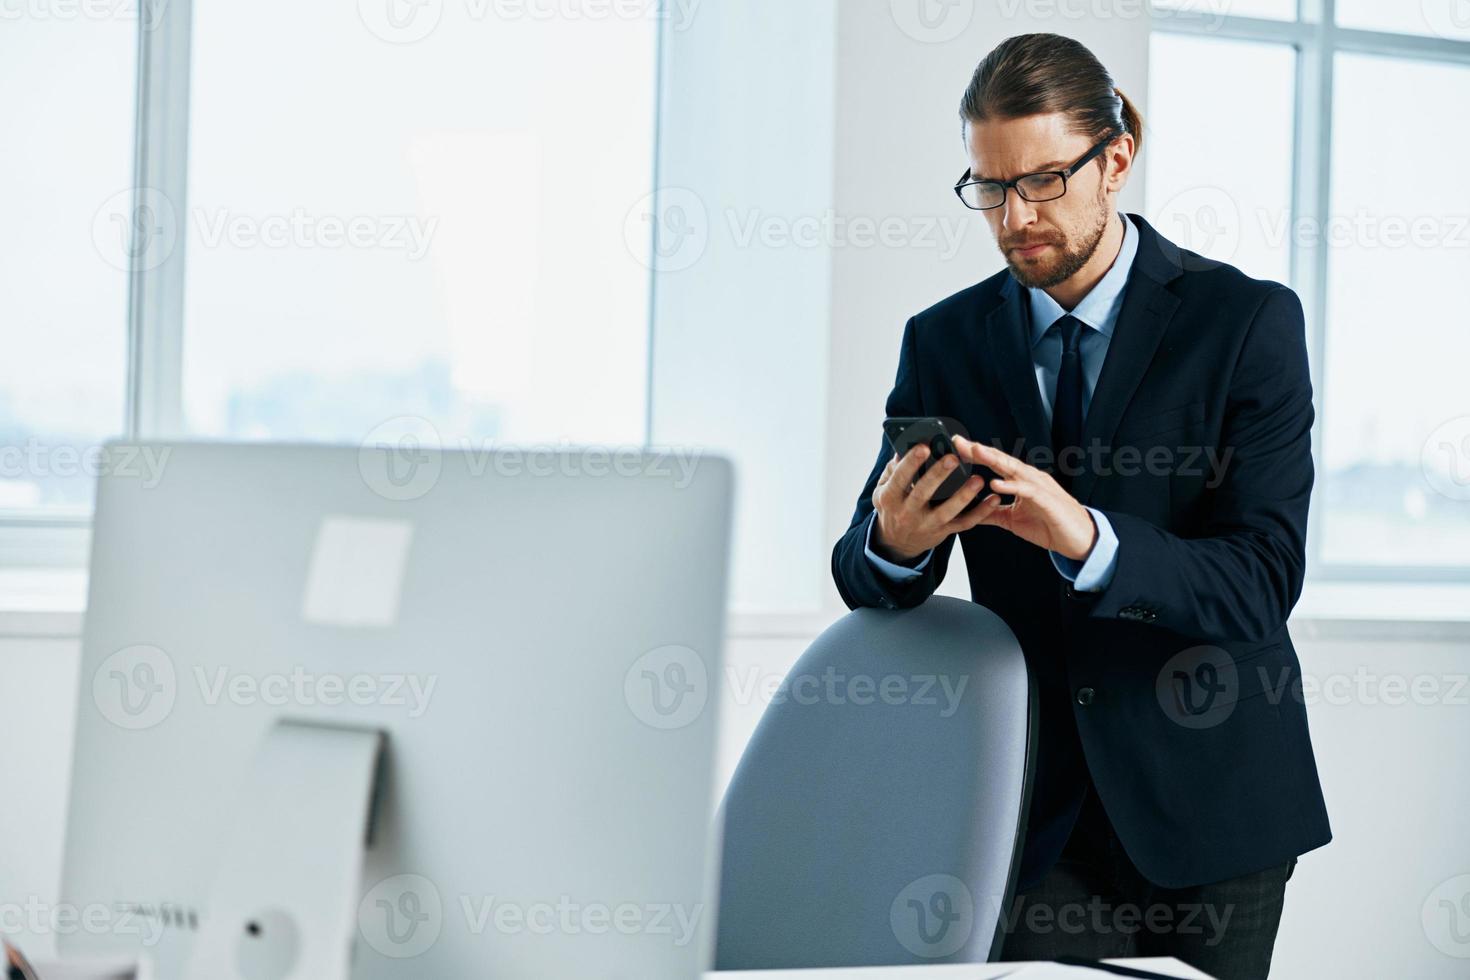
column 1033, row 275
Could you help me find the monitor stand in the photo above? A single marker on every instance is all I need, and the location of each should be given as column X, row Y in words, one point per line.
column 284, row 898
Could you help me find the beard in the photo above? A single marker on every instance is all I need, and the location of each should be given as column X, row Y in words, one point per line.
column 1070, row 255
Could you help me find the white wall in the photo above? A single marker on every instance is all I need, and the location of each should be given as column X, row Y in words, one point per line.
column 38, row 684
column 1392, row 764
column 741, row 297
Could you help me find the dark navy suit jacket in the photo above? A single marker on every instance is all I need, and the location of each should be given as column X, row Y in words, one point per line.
column 1176, row 688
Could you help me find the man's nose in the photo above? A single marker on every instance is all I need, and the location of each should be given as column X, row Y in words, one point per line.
column 1018, row 212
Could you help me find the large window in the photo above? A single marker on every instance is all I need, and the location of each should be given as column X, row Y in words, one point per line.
column 1397, row 406
column 66, row 157
column 1205, row 189
column 1319, row 151
column 420, row 214
column 278, row 220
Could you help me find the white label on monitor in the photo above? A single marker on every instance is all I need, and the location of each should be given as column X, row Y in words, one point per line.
column 356, row 572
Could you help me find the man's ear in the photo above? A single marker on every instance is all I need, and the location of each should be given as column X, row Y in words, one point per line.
column 1119, row 162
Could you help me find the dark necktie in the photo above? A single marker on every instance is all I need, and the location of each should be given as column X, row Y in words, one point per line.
column 1066, row 411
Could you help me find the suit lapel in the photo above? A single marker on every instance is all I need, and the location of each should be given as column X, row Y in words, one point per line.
column 1147, row 310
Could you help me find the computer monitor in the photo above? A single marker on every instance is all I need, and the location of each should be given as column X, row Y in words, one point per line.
column 536, row 635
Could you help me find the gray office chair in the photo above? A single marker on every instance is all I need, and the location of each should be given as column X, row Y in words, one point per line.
column 877, row 813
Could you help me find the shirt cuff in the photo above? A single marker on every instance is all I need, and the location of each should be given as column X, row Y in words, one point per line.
column 1094, row 574
column 896, row 573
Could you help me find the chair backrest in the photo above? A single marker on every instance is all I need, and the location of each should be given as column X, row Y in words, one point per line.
column 876, row 815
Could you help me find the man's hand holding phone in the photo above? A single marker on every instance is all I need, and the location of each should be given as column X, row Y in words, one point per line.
column 908, row 523
column 1024, row 500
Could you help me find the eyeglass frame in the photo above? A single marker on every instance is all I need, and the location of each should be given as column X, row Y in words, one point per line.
column 1007, row 185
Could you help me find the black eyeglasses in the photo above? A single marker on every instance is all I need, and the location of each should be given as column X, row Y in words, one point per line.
column 1048, row 185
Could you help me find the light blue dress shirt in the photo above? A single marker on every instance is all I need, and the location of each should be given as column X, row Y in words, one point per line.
column 1098, row 310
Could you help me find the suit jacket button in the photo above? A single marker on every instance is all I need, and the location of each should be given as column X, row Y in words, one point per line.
column 1085, row 695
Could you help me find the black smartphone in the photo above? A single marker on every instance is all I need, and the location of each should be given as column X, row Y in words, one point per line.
column 937, row 432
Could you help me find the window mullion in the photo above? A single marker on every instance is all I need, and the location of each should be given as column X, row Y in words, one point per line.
column 1311, row 202
column 159, row 223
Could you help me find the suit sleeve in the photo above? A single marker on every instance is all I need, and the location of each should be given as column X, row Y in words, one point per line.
column 858, row 581
column 1239, row 578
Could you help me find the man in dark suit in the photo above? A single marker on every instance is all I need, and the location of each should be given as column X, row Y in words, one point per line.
column 1148, row 414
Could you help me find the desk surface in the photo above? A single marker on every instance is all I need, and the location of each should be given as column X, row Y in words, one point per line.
column 1166, row 965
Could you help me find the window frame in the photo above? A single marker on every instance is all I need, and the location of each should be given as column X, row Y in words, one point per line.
column 1317, row 39
column 153, row 373
column 153, row 390
column 153, row 405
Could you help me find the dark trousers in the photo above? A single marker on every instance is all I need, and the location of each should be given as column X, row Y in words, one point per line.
column 1095, row 904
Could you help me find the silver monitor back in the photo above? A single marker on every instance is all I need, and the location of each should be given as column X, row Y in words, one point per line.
column 538, row 637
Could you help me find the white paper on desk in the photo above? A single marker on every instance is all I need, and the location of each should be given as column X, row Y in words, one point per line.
column 87, row 969
column 1057, row 971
